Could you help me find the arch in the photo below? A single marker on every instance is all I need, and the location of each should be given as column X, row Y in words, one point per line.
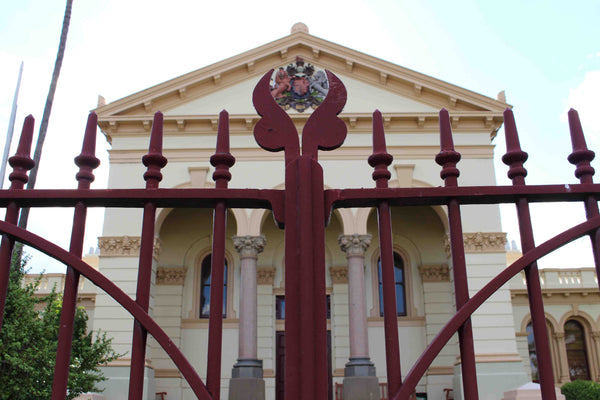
column 362, row 218
column 549, row 319
column 258, row 216
column 582, row 316
column 579, row 350
column 241, row 219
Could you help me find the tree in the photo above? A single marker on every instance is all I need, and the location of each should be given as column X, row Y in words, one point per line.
column 28, row 343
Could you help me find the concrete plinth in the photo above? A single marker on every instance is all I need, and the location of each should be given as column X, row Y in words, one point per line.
column 247, row 368
column 529, row 391
column 361, row 388
column 359, row 366
column 247, row 389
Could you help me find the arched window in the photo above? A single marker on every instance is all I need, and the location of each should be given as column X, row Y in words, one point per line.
column 576, row 351
column 535, row 377
column 205, row 282
column 400, row 286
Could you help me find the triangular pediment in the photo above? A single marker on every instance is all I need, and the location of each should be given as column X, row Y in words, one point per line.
column 372, row 84
column 236, row 99
column 356, row 69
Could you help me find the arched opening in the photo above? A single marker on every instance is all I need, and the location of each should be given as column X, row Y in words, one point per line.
column 205, row 285
column 577, row 358
column 400, row 284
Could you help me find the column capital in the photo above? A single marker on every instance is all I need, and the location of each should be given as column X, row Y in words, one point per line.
column 249, row 246
column 355, row 244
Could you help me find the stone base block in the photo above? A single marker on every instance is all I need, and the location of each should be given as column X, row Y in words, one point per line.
column 247, row 368
column 361, row 388
column 529, row 391
column 247, row 389
column 359, row 366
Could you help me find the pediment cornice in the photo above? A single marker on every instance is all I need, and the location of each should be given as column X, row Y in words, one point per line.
column 325, row 54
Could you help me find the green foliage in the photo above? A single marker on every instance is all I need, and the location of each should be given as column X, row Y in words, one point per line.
column 581, row 390
column 29, row 339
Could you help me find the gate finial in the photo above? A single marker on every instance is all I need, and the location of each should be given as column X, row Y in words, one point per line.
column 154, row 160
column 87, row 160
column 447, row 157
column 581, row 155
column 380, row 159
column 222, row 160
column 21, row 161
column 514, row 157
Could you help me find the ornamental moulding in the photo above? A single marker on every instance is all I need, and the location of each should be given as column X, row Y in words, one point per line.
column 170, row 275
column 435, row 273
column 354, row 244
column 124, row 246
column 249, row 246
column 480, row 242
column 339, row 274
column 265, row 275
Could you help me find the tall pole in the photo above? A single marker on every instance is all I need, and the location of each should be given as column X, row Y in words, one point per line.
column 11, row 128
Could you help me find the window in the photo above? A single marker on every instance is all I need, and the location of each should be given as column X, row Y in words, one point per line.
column 576, row 351
column 205, row 282
column 400, row 286
column 532, row 354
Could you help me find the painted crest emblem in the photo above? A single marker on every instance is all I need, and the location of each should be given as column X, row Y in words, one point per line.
column 299, row 86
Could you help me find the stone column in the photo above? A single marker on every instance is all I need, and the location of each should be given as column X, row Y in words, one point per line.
column 565, row 377
column 360, row 381
column 247, row 375
column 596, row 340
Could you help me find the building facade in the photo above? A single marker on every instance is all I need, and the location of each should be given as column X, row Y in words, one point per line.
column 254, row 300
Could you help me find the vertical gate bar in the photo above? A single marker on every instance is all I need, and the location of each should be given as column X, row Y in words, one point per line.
column 154, row 161
column 222, row 160
column 447, row 158
column 293, row 296
column 380, row 160
column 581, row 158
column 87, row 162
column 515, row 158
column 319, row 312
column 21, row 163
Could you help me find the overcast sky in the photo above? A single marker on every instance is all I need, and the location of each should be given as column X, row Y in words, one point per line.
column 544, row 54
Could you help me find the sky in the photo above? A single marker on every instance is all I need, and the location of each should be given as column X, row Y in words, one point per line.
column 544, row 54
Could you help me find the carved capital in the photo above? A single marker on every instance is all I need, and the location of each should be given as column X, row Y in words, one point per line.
column 170, row 275
column 339, row 274
column 354, row 245
column 265, row 275
column 559, row 335
column 596, row 335
column 124, row 246
column 480, row 242
column 434, row 273
column 249, row 246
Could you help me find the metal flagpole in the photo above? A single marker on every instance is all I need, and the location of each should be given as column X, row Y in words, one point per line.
column 11, row 127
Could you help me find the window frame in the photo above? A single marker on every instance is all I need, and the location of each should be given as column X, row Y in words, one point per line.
column 230, row 311
column 375, row 312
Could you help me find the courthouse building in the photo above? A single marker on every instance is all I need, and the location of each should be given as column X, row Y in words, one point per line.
column 410, row 102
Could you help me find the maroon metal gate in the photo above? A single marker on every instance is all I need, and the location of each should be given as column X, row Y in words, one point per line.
column 303, row 209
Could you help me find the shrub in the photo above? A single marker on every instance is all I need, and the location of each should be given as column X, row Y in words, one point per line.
column 581, row 390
